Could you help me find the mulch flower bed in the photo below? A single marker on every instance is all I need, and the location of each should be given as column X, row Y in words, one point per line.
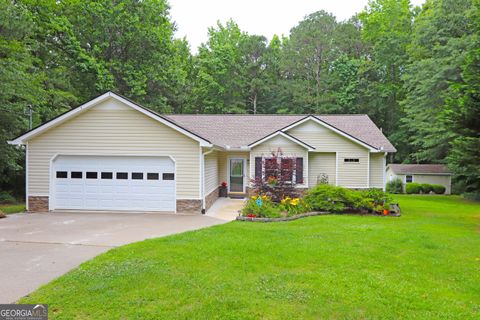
column 308, row 214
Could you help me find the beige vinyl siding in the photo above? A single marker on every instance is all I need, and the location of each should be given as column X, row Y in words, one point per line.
column 288, row 148
column 112, row 128
column 321, row 163
column 223, row 157
column 211, row 172
column 352, row 175
column 377, row 170
column 434, row 179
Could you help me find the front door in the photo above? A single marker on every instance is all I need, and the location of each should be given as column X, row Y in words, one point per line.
column 236, row 175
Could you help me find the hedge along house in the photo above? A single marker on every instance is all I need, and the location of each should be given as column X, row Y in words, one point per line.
column 113, row 154
column 421, row 173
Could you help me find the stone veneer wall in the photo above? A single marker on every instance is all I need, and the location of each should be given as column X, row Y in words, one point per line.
column 40, row 204
column 189, row 206
column 211, row 198
column 37, row 204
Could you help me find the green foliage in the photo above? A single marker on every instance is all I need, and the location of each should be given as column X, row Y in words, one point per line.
column 414, row 71
column 426, row 188
column 268, row 209
column 330, row 198
column 6, row 197
column 438, row 189
column 293, row 206
column 395, row 186
column 413, row 188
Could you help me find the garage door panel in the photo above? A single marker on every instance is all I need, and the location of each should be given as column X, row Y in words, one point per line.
column 105, row 190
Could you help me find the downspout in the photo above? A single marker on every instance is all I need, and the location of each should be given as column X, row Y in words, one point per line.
column 203, row 178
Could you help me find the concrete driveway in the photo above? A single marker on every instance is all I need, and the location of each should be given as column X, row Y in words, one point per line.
column 36, row 248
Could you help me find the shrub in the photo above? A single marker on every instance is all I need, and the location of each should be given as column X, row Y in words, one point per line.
column 2, row 214
column 438, row 188
column 413, row 188
column 326, row 197
column 395, row 186
column 267, row 209
column 377, row 196
column 473, row 196
column 336, row 199
column 426, row 188
column 6, row 197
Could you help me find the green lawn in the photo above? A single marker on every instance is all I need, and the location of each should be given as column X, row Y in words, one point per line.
column 423, row 265
column 12, row 208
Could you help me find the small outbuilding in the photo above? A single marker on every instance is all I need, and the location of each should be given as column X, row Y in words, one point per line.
column 421, row 173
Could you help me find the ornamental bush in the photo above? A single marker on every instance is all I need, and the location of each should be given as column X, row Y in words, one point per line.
column 395, row 186
column 337, row 199
column 413, row 188
column 325, row 197
column 426, row 188
column 438, row 188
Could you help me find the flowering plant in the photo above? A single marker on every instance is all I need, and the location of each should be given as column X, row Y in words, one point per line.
column 224, row 184
column 293, row 206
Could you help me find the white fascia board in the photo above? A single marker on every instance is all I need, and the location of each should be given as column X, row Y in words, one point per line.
column 93, row 102
column 285, row 135
column 326, row 125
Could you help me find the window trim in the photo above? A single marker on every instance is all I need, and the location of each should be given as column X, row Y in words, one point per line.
column 294, row 172
column 409, row 175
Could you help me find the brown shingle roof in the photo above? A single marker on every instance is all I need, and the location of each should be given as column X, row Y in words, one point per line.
column 419, row 168
column 241, row 130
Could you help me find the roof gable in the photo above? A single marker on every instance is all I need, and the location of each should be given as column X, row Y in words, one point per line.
column 96, row 101
column 332, row 128
column 285, row 135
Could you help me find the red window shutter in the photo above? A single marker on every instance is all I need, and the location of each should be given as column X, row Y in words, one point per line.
column 299, row 170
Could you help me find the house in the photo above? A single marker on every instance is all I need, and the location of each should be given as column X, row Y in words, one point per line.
column 113, row 154
column 421, row 173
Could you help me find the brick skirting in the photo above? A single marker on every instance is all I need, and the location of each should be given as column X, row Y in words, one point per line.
column 189, row 206
column 37, row 204
column 211, row 198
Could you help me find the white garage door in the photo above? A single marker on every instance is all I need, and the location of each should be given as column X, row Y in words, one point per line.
column 114, row 183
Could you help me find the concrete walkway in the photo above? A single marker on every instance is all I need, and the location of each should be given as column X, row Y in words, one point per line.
column 36, row 248
column 225, row 209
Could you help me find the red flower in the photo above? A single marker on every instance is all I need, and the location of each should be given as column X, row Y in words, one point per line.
column 224, row 184
column 251, row 215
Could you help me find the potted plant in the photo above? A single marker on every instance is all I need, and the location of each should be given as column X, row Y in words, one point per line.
column 223, row 190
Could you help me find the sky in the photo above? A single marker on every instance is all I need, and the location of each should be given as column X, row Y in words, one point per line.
column 262, row 17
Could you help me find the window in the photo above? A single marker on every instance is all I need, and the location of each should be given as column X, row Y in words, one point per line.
column 122, row 175
column 271, row 168
column 137, row 175
column 91, row 175
column 152, row 176
column 168, row 176
column 351, row 160
column 107, row 175
column 287, row 170
column 76, row 174
column 62, row 174
column 408, row 179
